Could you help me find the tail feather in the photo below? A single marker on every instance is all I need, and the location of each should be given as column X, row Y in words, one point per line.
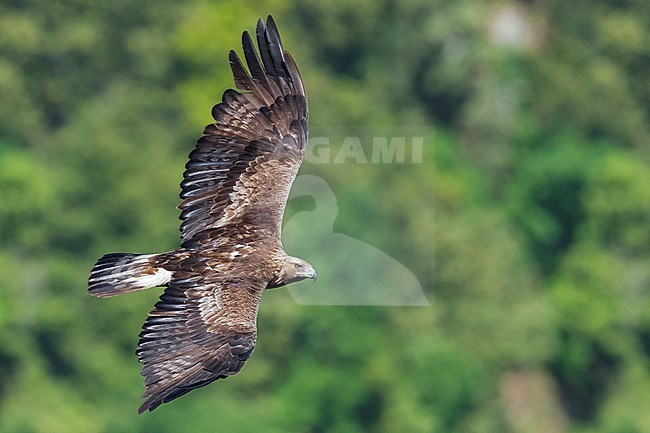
column 118, row 273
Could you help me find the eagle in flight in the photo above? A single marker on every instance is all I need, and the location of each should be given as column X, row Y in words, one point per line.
column 234, row 192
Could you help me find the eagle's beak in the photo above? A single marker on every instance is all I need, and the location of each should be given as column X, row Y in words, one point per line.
column 312, row 274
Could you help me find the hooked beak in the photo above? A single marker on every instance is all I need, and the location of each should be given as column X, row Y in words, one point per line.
column 312, row 274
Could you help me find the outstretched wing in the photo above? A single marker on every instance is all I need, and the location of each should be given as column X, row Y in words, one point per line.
column 202, row 329
column 244, row 164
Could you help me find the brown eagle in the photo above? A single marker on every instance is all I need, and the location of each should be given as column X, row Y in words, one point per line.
column 234, row 193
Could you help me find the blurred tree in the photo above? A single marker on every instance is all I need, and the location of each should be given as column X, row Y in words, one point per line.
column 526, row 222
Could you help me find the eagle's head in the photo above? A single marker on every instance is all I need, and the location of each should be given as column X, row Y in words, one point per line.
column 293, row 270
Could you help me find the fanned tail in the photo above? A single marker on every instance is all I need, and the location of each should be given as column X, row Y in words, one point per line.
column 118, row 273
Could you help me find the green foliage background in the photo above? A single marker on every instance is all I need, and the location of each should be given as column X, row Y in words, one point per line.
column 527, row 223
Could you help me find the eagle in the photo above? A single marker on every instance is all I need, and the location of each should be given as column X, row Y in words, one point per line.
column 233, row 196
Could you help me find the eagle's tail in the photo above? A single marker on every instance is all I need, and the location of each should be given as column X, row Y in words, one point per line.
column 119, row 273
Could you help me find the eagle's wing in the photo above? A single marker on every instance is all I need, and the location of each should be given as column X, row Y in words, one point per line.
column 202, row 329
column 249, row 157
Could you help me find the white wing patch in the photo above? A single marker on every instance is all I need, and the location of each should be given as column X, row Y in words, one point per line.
column 158, row 278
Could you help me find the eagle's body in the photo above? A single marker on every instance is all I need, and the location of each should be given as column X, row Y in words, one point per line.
column 234, row 192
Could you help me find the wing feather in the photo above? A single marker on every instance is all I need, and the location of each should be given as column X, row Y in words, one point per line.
column 257, row 70
column 202, row 329
column 248, row 136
